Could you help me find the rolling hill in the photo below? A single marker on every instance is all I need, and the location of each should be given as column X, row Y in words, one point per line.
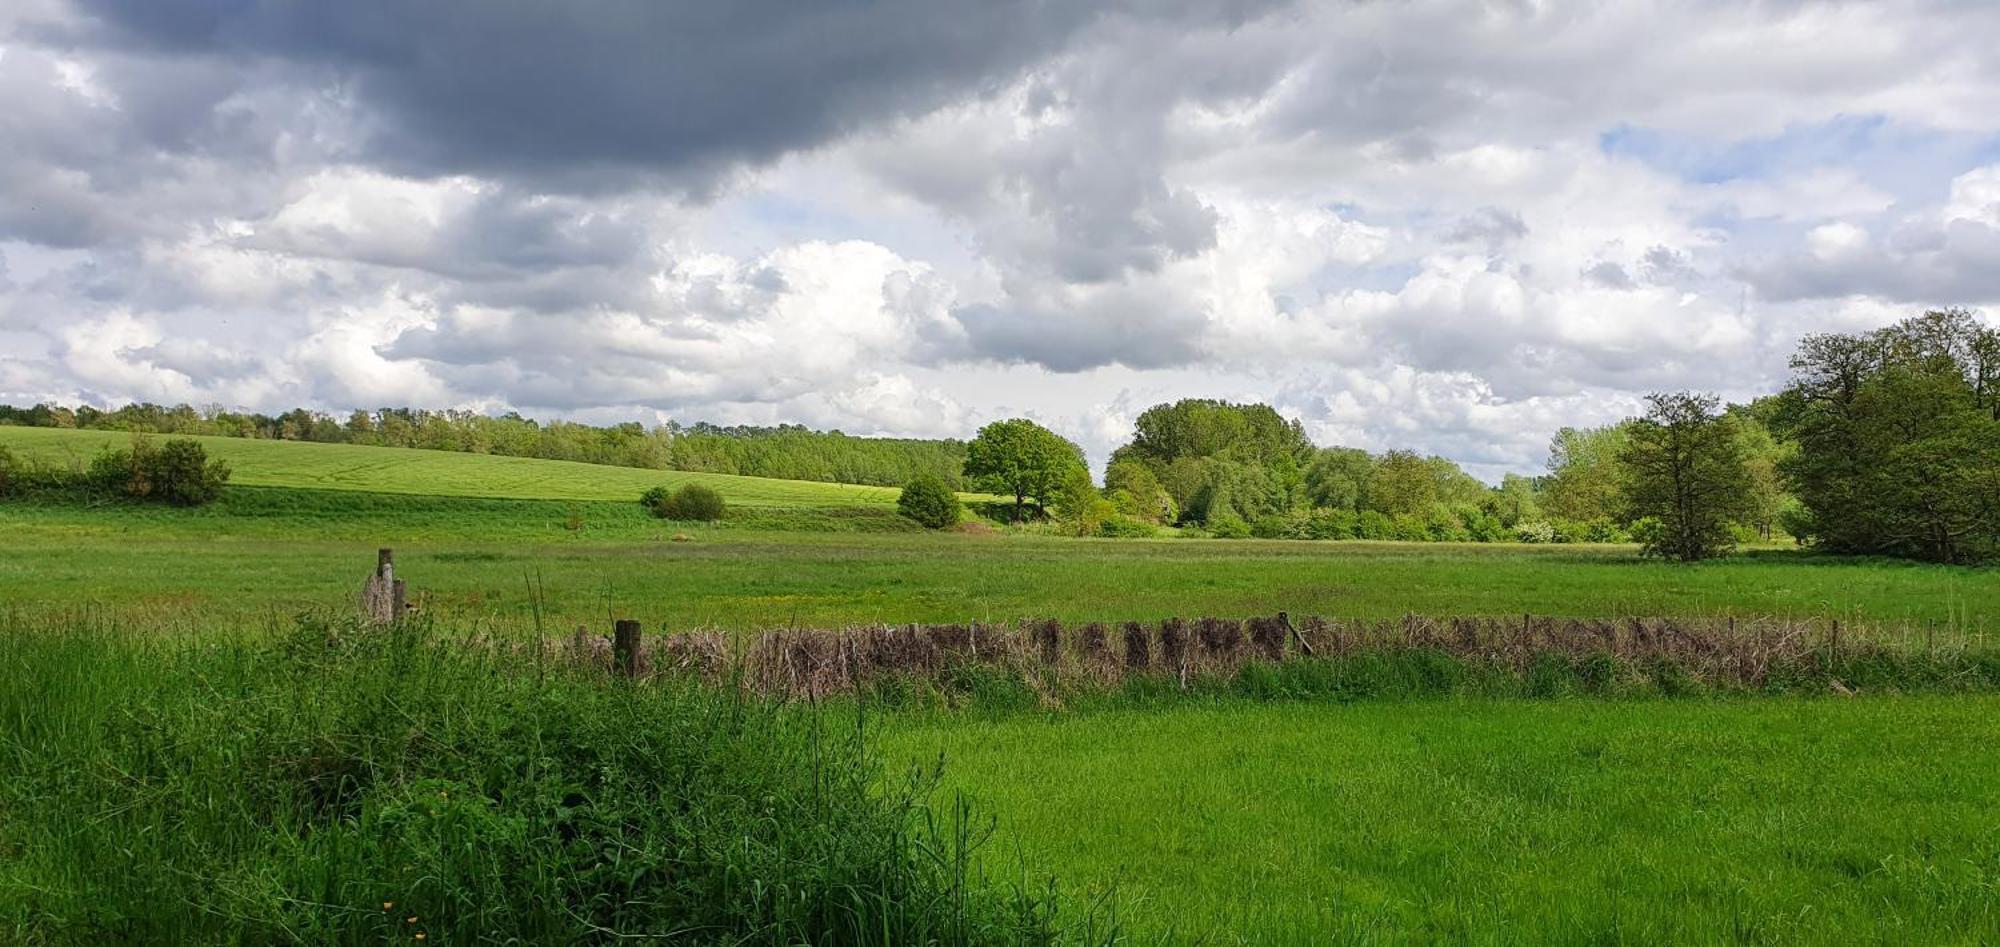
column 399, row 470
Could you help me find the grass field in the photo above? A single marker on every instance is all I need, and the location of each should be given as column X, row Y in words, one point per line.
column 1567, row 822
column 268, row 550
column 260, row 463
column 1765, row 820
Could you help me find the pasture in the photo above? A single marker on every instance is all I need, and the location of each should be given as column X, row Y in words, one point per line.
column 1210, row 816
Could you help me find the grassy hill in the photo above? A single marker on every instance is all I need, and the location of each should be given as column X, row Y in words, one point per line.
column 351, row 467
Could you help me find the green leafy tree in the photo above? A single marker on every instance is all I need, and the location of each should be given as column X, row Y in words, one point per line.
column 1684, row 468
column 1517, row 501
column 1403, row 484
column 693, row 502
column 1137, row 493
column 1585, row 475
column 1898, row 439
column 1022, row 459
column 930, row 501
column 1337, row 478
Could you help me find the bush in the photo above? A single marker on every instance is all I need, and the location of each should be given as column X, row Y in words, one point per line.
column 1229, row 526
column 1649, row 532
column 1537, row 532
column 7, row 466
column 930, row 501
column 1329, row 524
column 691, row 502
column 1275, row 526
column 1126, row 527
column 1374, row 524
column 178, row 473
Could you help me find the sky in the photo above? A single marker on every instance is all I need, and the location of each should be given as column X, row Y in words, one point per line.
column 1451, row 227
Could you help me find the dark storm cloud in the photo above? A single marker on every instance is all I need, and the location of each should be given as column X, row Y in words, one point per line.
column 565, row 92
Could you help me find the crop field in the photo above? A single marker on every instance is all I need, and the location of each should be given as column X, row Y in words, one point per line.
column 351, row 467
column 1216, row 816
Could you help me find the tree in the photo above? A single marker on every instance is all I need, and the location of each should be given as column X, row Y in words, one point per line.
column 1338, row 478
column 1584, row 473
column 1403, row 483
column 1898, row 435
column 1136, row 492
column 1683, row 468
column 1517, row 501
column 693, row 502
column 1021, row 459
column 929, row 500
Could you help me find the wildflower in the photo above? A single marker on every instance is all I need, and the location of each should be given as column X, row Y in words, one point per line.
column 387, row 906
column 412, row 919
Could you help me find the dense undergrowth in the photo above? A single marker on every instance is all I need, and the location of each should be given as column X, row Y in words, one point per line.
column 319, row 787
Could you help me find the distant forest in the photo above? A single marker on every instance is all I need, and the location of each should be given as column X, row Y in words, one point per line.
column 788, row 452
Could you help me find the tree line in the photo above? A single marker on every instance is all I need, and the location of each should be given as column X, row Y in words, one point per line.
column 1884, row 443
column 786, row 452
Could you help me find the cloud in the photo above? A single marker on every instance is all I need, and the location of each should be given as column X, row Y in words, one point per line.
column 563, row 94
column 1943, row 255
column 1439, row 224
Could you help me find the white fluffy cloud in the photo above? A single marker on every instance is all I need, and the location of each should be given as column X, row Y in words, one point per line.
column 1441, row 224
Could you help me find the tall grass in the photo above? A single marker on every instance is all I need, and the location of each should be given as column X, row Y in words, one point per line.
column 321, row 786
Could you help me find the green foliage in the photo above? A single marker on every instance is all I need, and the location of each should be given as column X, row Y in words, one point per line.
column 1402, row 484
column 1126, row 527
column 8, row 471
column 930, row 501
column 1684, row 466
column 332, row 787
column 1898, row 435
column 1215, row 458
column 1024, row 460
column 177, row 473
column 1338, row 478
column 1517, row 501
column 693, row 503
column 1586, row 477
column 1138, row 493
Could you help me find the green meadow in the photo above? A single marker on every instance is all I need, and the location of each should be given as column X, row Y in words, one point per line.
column 353, row 467
column 1870, row 818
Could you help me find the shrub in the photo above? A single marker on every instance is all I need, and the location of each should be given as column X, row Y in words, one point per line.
column 1229, row 526
column 1648, row 531
column 1374, row 524
column 1330, row 524
column 1274, row 526
column 1484, row 527
column 1536, row 532
column 181, row 473
column 1126, row 527
column 7, row 466
column 930, row 501
column 1601, row 530
column 178, row 473
column 691, row 502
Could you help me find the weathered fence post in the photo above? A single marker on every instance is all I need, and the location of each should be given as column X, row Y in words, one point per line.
column 1304, row 645
column 625, row 647
column 383, row 596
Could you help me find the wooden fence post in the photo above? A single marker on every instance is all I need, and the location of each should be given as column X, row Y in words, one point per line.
column 383, row 596
column 625, row 647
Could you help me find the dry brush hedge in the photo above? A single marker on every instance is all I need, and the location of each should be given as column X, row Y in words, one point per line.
column 813, row 664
